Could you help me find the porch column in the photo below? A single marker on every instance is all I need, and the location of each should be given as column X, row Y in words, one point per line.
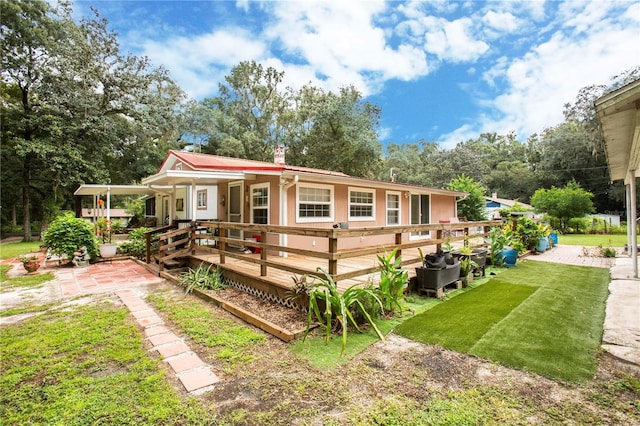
column 632, row 215
column 108, row 204
column 194, row 201
column 627, row 199
column 172, row 205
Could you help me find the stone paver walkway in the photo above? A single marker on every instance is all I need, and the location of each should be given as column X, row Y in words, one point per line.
column 193, row 373
column 129, row 281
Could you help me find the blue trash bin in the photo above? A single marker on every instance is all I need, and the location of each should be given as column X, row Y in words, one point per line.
column 554, row 238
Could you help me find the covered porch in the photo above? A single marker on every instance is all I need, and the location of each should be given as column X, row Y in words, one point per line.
column 619, row 116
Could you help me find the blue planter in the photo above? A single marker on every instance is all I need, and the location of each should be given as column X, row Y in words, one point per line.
column 543, row 244
column 554, row 238
column 509, row 257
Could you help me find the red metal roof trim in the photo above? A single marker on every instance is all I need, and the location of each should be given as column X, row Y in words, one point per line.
column 215, row 162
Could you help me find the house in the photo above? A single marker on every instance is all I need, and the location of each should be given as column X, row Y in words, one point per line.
column 193, row 186
column 493, row 205
column 121, row 216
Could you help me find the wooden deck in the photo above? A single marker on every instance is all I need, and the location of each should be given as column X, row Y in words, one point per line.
column 272, row 272
column 285, row 279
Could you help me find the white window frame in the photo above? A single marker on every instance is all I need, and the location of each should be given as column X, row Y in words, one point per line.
column 398, row 209
column 253, row 207
column 202, row 206
column 372, row 205
column 330, row 203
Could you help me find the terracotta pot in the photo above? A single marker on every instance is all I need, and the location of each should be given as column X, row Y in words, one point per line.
column 31, row 265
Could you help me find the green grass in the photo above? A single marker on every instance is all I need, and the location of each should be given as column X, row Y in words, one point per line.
column 553, row 328
column 11, row 250
column 236, row 344
column 323, row 355
column 595, row 240
column 30, row 281
column 86, row 366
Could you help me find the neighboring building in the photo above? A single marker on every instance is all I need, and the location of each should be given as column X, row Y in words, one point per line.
column 494, row 205
column 115, row 215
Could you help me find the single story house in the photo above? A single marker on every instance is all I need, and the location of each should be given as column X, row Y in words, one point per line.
column 494, row 204
column 209, row 187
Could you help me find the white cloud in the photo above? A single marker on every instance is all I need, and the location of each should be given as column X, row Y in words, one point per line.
column 453, row 40
column 341, row 42
column 199, row 63
column 501, row 21
column 552, row 73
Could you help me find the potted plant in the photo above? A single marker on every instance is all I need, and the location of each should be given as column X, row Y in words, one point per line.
column 104, row 231
column 30, row 263
column 466, row 266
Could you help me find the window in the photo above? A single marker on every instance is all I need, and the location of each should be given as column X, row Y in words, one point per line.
column 260, row 203
column 315, row 203
column 393, row 208
column 361, row 204
column 202, row 199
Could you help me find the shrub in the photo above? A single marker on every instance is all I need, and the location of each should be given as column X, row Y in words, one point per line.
column 66, row 234
column 528, row 232
column 338, row 307
column 393, row 282
column 136, row 245
column 202, row 278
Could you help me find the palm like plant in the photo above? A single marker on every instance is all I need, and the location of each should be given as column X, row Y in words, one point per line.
column 339, row 306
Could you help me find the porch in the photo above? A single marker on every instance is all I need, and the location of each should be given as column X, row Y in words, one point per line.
column 265, row 266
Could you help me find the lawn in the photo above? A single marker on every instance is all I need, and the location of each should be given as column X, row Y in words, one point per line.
column 616, row 240
column 540, row 317
column 10, row 250
column 95, row 372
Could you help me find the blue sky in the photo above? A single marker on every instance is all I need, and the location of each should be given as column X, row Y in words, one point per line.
column 441, row 71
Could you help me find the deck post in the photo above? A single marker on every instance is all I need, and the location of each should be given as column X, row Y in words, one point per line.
column 439, row 236
column 333, row 249
column 192, row 225
column 263, row 255
column 223, row 243
column 398, row 242
column 147, row 236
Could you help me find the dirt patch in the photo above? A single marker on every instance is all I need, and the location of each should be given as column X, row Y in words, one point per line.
column 282, row 316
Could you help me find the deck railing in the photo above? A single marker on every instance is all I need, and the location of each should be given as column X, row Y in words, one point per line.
column 218, row 232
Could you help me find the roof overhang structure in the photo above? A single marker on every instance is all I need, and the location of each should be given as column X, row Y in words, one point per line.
column 618, row 114
column 99, row 190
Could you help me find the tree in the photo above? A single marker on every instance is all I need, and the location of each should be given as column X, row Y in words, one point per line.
column 74, row 109
column 253, row 115
column 563, row 203
column 335, row 131
column 473, row 206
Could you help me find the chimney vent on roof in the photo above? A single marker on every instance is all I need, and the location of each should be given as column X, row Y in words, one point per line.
column 278, row 155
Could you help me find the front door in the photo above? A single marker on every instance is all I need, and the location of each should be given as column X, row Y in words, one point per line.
column 235, row 208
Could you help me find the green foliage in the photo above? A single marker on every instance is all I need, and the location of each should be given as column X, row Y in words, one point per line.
column 136, row 245
column 393, row 282
column 135, row 207
column 338, row 307
column 67, row 234
column 472, row 207
column 563, row 203
column 103, row 229
column 529, row 232
column 202, row 278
